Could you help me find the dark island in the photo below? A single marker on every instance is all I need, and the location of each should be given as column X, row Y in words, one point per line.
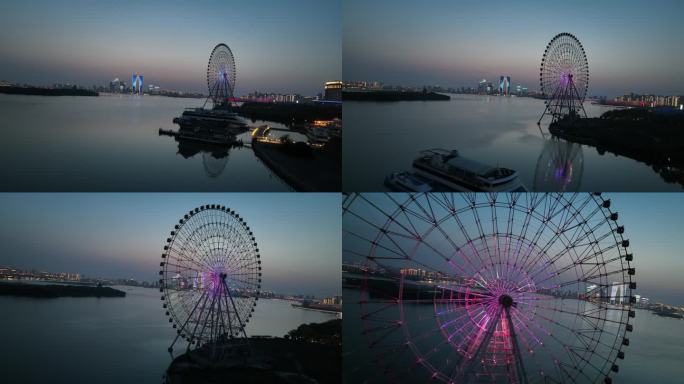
column 289, row 113
column 310, row 354
column 393, row 96
column 13, row 90
column 55, row 290
column 654, row 137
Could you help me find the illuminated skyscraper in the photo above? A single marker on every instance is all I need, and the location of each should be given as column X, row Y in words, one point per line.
column 137, row 84
column 505, row 85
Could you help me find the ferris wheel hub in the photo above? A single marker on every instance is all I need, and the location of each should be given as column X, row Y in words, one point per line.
column 506, row 301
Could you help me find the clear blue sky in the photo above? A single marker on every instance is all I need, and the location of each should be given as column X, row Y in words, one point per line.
column 632, row 45
column 281, row 46
column 122, row 235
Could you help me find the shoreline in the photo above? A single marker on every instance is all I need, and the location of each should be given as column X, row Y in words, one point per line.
column 392, row 96
column 643, row 136
column 35, row 91
column 50, row 291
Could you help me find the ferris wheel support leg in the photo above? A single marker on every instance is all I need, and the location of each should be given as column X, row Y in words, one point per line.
column 581, row 104
column 470, row 363
column 206, row 319
column 194, row 330
column 211, row 92
column 185, row 324
column 548, row 105
column 519, row 366
column 237, row 314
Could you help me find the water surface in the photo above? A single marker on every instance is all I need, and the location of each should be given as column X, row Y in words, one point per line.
column 111, row 143
column 653, row 356
column 108, row 340
column 384, row 137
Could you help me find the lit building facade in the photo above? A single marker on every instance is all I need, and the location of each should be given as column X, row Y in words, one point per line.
column 333, row 91
column 505, row 85
column 137, row 84
column 485, row 87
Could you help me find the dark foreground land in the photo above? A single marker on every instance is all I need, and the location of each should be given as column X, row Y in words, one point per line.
column 310, row 354
column 47, row 91
column 52, row 291
column 305, row 171
column 289, row 113
column 393, row 96
column 652, row 137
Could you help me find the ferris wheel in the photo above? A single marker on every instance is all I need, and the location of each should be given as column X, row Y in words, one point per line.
column 564, row 77
column 210, row 276
column 491, row 288
column 221, row 75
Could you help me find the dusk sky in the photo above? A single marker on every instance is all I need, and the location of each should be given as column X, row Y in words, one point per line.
column 122, row 235
column 282, row 46
column 653, row 224
column 631, row 45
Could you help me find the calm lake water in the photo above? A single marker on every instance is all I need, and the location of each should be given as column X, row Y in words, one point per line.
column 384, row 137
column 653, row 356
column 111, row 143
column 107, row 340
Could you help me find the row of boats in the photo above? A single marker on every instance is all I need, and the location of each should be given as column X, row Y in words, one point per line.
column 445, row 170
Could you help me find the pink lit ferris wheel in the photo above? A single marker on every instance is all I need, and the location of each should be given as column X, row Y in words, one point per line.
column 564, row 77
column 210, row 276
column 491, row 288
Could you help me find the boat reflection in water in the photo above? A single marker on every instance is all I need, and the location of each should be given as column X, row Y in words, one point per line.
column 209, row 135
column 214, row 158
column 559, row 167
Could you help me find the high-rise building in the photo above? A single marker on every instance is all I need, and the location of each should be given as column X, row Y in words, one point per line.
column 505, row 85
column 485, row 87
column 618, row 293
column 137, row 84
column 114, row 85
column 333, row 91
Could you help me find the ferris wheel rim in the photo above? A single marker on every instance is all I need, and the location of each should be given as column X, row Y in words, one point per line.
column 221, row 91
column 548, row 81
column 604, row 207
column 209, row 275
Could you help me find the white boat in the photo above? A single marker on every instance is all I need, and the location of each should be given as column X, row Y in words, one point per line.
column 457, row 173
column 214, row 115
column 406, row 182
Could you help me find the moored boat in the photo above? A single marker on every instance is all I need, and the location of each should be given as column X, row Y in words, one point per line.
column 458, row 173
column 406, row 182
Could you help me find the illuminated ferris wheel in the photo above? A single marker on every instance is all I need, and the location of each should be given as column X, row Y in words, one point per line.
column 210, row 276
column 221, row 75
column 491, row 288
column 564, row 77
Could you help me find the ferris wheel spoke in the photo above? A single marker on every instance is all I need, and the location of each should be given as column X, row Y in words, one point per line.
column 399, row 252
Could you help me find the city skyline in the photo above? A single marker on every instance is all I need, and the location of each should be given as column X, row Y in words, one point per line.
column 121, row 235
column 455, row 44
column 93, row 42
